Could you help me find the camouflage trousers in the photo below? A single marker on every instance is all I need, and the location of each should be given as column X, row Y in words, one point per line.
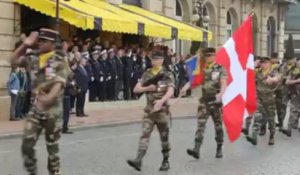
column 204, row 111
column 283, row 106
column 161, row 121
column 265, row 112
column 248, row 121
column 294, row 112
column 34, row 125
column 278, row 103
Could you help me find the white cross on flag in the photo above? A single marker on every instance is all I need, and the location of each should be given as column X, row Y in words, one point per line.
column 239, row 99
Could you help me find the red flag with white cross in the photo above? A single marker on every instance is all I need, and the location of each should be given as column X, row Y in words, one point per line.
column 239, row 99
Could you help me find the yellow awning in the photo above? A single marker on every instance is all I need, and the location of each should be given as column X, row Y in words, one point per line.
column 71, row 16
column 148, row 27
column 105, row 20
column 83, row 15
column 185, row 31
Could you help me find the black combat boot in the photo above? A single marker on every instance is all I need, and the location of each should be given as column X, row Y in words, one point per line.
column 263, row 130
column 271, row 140
column 219, row 153
column 252, row 140
column 165, row 165
column 194, row 152
column 137, row 162
column 245, row 131
column 287, row 132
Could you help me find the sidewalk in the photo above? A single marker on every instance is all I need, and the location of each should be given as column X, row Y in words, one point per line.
column 108, row 113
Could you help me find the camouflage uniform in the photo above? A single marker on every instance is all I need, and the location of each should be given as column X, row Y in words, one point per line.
column 278, row 101
column 286, row 97
column 43, row 77
column 266, row 105
column 207, row 107
column 159, row 119
column 294, row 90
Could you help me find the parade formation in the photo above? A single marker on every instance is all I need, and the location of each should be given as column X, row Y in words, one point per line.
column 58, row 73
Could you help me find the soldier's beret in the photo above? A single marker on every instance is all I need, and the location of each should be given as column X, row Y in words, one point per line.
column 209, row 50
column 48, row 34
column 274, row 55
column 265, row 59
column 157, row 55
column 257, row 58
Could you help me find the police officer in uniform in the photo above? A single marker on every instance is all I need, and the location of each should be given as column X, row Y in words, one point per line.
column 103, row 75
column 267, row 81
column 156, row 111
column 112, row 68
column 49, row 72
column 95, row 68
column 213, row 87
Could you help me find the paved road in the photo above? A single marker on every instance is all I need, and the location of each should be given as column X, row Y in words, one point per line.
column 103, row 151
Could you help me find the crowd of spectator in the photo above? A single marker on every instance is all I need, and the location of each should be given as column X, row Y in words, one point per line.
column 103, row 70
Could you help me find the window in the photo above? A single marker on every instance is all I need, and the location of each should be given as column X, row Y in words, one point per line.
column 178, row 9
column 228, row 25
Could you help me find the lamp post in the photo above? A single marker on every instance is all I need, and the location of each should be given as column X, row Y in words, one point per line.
column 198, row 15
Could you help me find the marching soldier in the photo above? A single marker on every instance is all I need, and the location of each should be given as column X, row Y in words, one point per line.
column 49, row 72
column 257, row 61
column 286, row 69
column 215, row 81
column 267, row 81
column 293, row 83
column 156, row 111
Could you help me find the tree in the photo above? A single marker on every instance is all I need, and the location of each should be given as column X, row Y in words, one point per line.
column 290, row 51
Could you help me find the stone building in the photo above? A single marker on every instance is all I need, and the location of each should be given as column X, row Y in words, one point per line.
column 292, row 26
column 222, row 18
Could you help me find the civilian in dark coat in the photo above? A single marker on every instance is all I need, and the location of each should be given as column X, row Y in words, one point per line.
column 82, row 81
column 128, row 74
column 67, row 105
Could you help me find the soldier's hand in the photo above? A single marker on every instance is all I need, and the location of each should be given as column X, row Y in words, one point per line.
column 219, row 97
column 157, row 105
column 31, row 39
column 269, row 81
column 151, row 88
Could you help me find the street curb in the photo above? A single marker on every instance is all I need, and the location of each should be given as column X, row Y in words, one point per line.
column 92, row 126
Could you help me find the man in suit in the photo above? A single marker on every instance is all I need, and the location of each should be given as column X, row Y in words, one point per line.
column 120, row 73
column 128, row 74
column 82, row 80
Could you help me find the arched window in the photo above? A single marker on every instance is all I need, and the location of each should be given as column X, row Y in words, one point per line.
column 271, row 35
column 178, row 9
column 228, row 25
column 177, row 44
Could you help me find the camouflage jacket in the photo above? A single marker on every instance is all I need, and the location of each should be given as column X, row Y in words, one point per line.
column 262, row 88
column 162, row 86
column 46, row 70
column 211, row 86
column 294, row 75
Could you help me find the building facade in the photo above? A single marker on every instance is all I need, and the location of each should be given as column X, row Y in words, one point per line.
column 222, row 17
column 292, row 26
